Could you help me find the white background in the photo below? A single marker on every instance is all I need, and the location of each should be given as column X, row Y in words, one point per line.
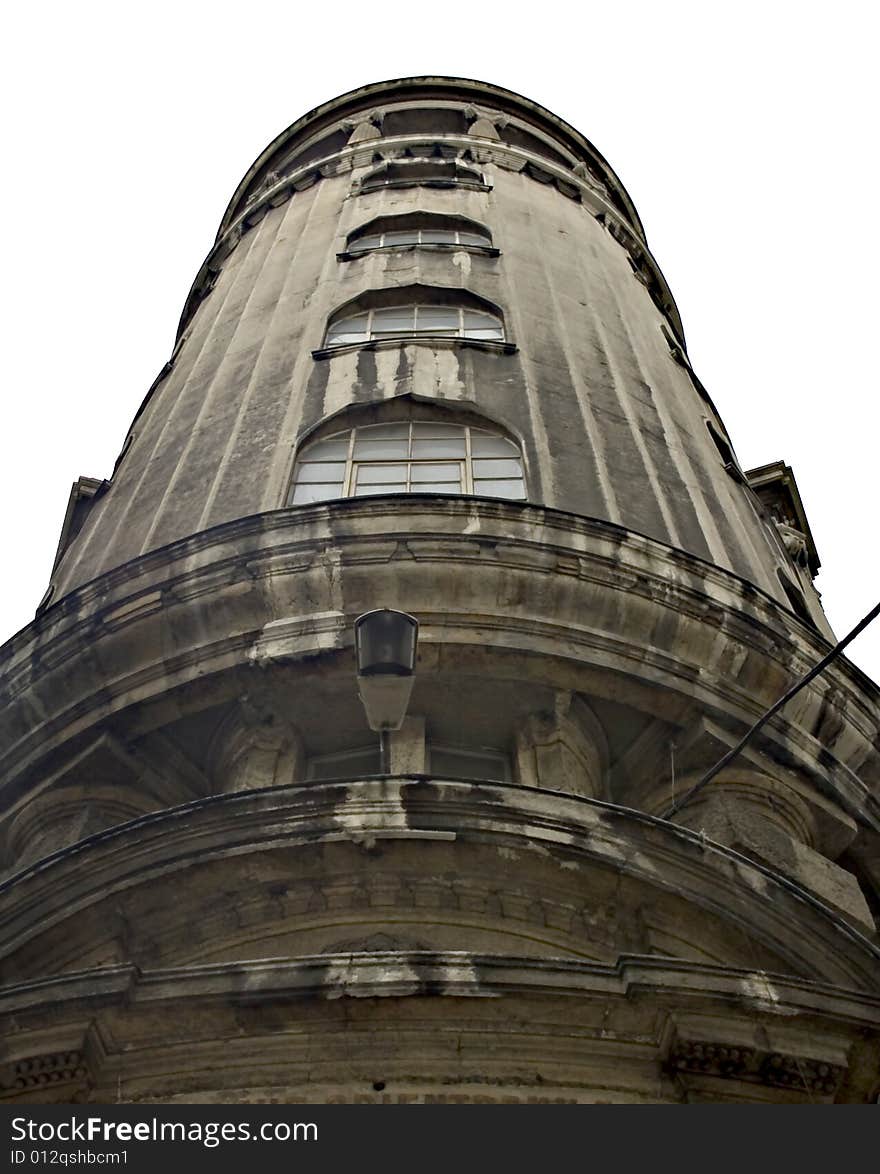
column 746, row 135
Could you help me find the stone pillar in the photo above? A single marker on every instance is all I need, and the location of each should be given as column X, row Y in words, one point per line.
column 791, row 831
column 562, row 749
column 254, row 749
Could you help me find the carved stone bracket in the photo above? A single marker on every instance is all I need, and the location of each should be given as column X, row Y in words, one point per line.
column 814, row 1069
column 50, row 1076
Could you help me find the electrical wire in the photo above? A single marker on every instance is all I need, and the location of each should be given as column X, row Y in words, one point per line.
column 774, row 709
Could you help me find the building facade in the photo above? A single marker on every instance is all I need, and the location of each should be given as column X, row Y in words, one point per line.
column 431, row 365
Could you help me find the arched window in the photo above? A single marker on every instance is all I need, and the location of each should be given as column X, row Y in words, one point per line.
column 409, row 456
column 420, row 229
column 421, row 172
column 426, row 320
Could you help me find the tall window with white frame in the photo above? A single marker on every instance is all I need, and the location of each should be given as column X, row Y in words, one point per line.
column 409, row 456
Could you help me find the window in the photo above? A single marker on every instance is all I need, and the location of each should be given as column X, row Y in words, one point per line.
column 419, row 236
column 409, row 321
column 347, row 764
column 456, row 762
column 442, row 761
column 409, row 456
column 427, row 172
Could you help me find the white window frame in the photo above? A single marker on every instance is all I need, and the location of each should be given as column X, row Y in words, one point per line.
column 465, row 463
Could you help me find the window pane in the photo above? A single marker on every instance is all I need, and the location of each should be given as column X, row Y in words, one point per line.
column 396, row 431
column 356, row 762
column 327, row 450
column 381, row 474
column 436, row 472
column 438, row 318
column 453, row 447
column 351, row 329
column 303, row 493
column 497, row 334
column 473, row 238
column 380, row 450
column 438, row 236
column 320, row 471
column 403, row 236
column 485, row 445
column 497, row 468
column 367, row 490
column 354, row 322
column 394, row 318
column 339, row 338
column 365, row 242
column 446, row 760
column 476, row 320
column 423, row 428
column 436, row 487
column 423, row 169
column 514, row 489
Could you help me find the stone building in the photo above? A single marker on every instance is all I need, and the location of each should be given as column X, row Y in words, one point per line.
column 431, row 365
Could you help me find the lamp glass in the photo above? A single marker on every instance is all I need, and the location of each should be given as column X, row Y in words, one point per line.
column 385, row 643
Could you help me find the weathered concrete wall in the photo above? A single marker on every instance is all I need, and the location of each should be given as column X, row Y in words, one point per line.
column 203, row 902
column 611, row 425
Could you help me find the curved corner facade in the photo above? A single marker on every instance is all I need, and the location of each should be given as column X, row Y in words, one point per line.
column 430, row 364
column 593, row 384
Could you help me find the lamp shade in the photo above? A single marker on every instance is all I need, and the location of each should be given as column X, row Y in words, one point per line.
column 385, row 643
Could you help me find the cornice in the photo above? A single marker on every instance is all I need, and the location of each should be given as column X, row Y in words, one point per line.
column 104, row 640
column 460, row 973
column 812, row 938
column 431, row 87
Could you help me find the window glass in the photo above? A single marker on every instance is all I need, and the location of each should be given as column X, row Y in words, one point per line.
column 449, row 760
column 366, row 449
column 364, row 490
column 478, row 319
column 340, row 338
column 381, row 474
column 328, row 450
column 350, row 329
column 385, row 431
column 437, row 236
column 440, row 447
column 485, row 445
column 304, row 493
column 497, row 468
column 436, row 472
column 512, row 489
column 394, row 318
column 433, row 318
column 373, row 241
column 364, row 761
column 437, row 428
column 323, row 471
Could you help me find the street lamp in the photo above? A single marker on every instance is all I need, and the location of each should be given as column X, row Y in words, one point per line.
column 385, row 647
